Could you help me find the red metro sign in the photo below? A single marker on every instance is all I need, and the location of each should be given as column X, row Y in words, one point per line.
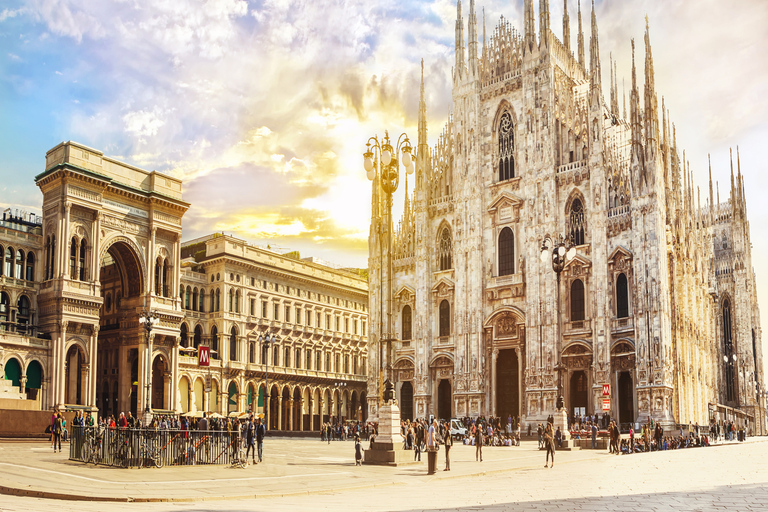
column 203, row 355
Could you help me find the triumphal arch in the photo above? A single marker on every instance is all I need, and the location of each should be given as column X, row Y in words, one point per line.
column 111, row 235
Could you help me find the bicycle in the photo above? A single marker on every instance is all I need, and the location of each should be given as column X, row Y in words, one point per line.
column 92, row 444
column 122, row 451
column 150, row 455
column 240, row 460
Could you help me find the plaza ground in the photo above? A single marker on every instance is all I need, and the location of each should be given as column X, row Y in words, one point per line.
column 310, row 475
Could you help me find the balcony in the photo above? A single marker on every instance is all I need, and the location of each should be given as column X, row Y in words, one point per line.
column 578, row 328
column 620, row 325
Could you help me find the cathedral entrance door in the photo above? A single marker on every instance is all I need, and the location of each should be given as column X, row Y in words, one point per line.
column 626, row 400
column 406, row 401
column 507, row 384
column 444, row 399
column 579, row 394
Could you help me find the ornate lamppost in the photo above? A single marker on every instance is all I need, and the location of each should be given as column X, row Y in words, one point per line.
column 560, row 250
column 266, row 340
column 380, row 159
column 148, row 319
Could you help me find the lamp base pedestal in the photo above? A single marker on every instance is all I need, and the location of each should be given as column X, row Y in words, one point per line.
column 387, row 449
column 561, row 421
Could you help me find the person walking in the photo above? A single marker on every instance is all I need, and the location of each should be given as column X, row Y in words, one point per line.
column 448, row 441
column 358, row 451
column 594, row 436
column 250, row 434
column 57, row 428
column 549, row 444
column 479, row 442
column 261, row 431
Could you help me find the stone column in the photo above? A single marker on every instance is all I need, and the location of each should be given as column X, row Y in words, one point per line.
column 84, row 382
column 168, row 394
column 96, row 247
column 58, row 365
column 494, row 374
column 90, row 395
column 174, row 287
column 151, row 259
column 173, row 392
column 520, row 381
column 64, row 240
column 291, row 413
column 279, row 411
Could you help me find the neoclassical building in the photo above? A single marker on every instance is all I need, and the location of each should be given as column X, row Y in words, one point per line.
column 658, row 302
column 107, row 247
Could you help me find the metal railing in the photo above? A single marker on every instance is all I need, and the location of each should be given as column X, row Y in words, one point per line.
column 140, row 447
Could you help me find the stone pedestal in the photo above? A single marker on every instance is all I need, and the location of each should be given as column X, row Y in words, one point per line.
column 561, row 420
column 387, row 449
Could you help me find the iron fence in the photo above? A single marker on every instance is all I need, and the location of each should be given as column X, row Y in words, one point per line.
column 147, row 447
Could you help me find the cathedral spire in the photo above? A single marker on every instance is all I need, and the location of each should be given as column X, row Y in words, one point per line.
column 711, row 195
column 484, row 56
column 614, row 90
column 651, row 103
column 459, row 49
column 580, row 42
column 624, row 97
column 566, row 27
column 635, row 113
column 530, row 27
column 594, row 61
column 544, row 23
column 407, row 203
column 472, row 43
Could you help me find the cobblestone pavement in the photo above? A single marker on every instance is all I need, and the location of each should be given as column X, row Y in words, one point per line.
column 318, row 477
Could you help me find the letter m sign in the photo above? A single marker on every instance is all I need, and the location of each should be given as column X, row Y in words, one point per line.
column 606, row 389
column 203, row 356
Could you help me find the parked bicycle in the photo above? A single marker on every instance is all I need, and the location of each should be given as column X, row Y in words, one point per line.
column 150, row 453
column 92, row 445
column 121, row 449
column 240, row 460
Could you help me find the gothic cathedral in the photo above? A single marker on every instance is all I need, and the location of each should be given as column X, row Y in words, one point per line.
column 659, row 299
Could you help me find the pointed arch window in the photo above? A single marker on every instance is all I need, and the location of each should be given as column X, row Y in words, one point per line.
column 158, row 284
column 73, row 259
column 22, row 315
column 622, row 296
column 215, row 340
column 9, row 254
column 577, row 300
column 30, row 266
column 233, row 344
column 166, row 288
column 81, row 266
column 406, row 322
column 730, row 384
column 506, row 252
column 184, row 335
column 445, row 250
column 199, row 336
column 20, row 264
column 577, row 222
column 445, row 318
column 506, row 147
column 5, row 309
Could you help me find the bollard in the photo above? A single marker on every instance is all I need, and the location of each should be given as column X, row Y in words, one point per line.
column 431, row 462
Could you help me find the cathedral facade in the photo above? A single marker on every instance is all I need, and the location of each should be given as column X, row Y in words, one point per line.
column 656, row 315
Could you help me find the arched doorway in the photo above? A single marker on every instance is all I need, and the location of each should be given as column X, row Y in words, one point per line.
column 199, row 387
column 184, row 395
column 579, row 393
column 213, row 400
column 444, row 399
column 274, row 410
column 232, row 405
column 296, row 419
column 286, row 411
column 626, row 399
column 13, row 372
column 34, row 379
column 507, row 384
column 406, row 400
column 74, row 389
column 121, row 283
column 159, row 368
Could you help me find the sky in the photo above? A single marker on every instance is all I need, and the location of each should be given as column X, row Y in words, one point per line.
column 263, row 107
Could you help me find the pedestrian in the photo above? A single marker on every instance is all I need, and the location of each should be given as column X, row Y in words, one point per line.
column 549, row 444
column 594, row 436
column 479, row 443
column 261, row 431
column 57, row 427
column 358, row 451
column 417, row 446
column 448, row 441
column 632, row 438
column 250, row 432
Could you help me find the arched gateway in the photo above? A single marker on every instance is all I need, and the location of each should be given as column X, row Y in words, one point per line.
column 112, row 235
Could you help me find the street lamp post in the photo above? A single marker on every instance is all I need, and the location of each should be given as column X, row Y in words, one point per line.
column 337, row 386
column 266, row 340
column 148, row 319
column 380, row 159
column 560, row 250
